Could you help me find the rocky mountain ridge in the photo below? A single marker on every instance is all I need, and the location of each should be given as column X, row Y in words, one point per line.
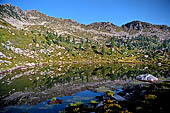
column 28, row 19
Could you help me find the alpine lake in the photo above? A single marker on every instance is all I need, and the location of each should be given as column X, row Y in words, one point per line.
column 29, row 90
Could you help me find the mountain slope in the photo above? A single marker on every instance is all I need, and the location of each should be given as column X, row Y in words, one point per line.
column 33, row 37
column 24, row 19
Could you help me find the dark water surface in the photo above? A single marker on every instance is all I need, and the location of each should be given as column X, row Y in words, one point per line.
column 28, row 90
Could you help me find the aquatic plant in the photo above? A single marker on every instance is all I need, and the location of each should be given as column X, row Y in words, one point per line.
column 109, row 93
column 94, row 102
column 150, row 96
column 75, row 104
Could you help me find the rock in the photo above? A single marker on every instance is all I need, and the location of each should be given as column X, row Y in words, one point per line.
column 55, row 101
column 5, row 61
column 122, row 58
column 119, row 98
column 30, row 64
column 159, row 64
column 37, row 45
column 100, row 104
column 2, row 55
column 146, row 56
column 59, row 69
column 146, row 77
column 145, row 67
column 37, row 78
column 58, row 54
column 2, row 26
column 9, row 43
column 16, row 96
column 139, row 108
column 113, row 49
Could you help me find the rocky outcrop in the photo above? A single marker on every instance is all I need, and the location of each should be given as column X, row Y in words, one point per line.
column 147, row 29
column 136, row 25
column 103, row 26
column 146, row 78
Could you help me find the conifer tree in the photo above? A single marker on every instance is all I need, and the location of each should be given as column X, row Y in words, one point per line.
column 73, row 41
column 103, row 50
column 80, row 46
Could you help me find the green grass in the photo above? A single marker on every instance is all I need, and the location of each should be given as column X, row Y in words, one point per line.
column 27, row 40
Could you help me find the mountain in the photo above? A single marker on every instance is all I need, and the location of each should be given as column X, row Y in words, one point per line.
column 147, row 29
column 40, row 50
column 139, row 26
column 29, row 18
column 104, row 26
column 30, row 37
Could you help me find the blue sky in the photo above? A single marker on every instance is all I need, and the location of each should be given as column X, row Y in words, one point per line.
column 88, row 11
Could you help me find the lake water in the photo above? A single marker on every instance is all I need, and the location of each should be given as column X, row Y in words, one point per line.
column 28, row 90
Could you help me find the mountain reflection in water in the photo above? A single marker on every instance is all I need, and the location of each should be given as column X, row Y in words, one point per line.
column 35, row 85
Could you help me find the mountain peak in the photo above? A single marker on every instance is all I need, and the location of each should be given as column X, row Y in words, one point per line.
column 139, row 26
column 136, row 25
column 103, row 26
column 7, row 5
column 7, row 10
column 103, row 23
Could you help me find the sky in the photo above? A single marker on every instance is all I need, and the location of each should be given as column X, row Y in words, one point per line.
column 118, row 12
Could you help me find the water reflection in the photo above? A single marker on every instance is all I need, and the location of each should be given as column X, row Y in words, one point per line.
column 46, row 77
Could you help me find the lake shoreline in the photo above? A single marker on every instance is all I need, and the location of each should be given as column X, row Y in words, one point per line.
column 126, row 89
column 146, row 98
column 38, row 83
column 34, row 98
column 28, row 65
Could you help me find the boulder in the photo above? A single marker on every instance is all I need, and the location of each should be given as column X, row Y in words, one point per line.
column 146, row 56
column 146, row 77
column 159, row 64
column 119, row 98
